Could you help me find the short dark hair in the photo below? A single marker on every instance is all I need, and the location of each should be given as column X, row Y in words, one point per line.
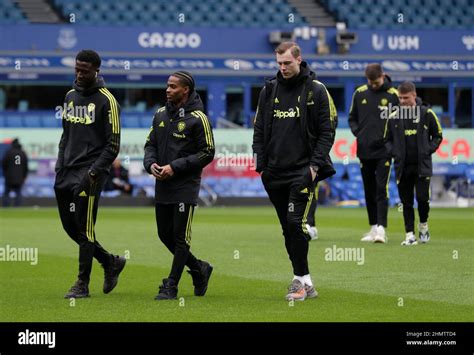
column 373, row 71
column 406, row 87
column 89, row 56
column 295, row 50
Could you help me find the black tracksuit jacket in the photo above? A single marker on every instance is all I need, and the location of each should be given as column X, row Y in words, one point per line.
column 428, row 138
column 91, row 129
column 15, row 165
column 367, row 121
column 186, row 143
column 317, row 122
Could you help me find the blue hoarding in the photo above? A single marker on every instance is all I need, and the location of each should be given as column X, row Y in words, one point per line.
column 190, row 41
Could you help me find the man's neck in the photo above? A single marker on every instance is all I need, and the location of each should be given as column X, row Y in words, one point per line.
column 181, row 103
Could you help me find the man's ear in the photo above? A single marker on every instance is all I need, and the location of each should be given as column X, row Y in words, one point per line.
column 299, row 60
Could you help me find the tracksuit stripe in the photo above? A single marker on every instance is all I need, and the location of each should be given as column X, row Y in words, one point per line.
column 207, row 129
column 388, row 180
column 306, row 211
column 89, row 224
column 188, row 226
column 195, row 114
column 113, row 110
column 436, row 119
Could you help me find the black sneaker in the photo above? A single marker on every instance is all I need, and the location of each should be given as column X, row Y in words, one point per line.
column 201, row 278
column 79, row 290
column 112, row 272
column 168, row 290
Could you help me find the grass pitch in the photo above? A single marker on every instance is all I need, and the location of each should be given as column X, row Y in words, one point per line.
column 424, row 283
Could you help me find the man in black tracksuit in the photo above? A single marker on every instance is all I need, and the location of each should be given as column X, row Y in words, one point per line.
column 179, row 145
column 370, row 104
column 294, row 131
column 15, row 171
column 89, row 144
column 412, row 135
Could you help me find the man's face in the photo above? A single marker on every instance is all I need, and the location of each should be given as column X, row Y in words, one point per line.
column 289, row 65
column 407, row 99
column 377, row 83
column 175, row 90
column 85, row 73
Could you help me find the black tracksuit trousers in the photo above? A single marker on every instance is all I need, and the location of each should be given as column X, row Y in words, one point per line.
column 174, row 230
column 375, row 176
column 292, row 193
column 409, row 182
column 78, row 202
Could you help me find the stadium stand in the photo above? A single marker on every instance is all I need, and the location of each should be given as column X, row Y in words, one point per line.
column 365, row 14
column 215, row 13
column 417, row 14
column 10, row 13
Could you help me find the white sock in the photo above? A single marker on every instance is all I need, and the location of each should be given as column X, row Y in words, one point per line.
column 380, row 229
column 299, row 278
column 373, row 228
column 410, row 235
column 307, row 280
column 423, row 227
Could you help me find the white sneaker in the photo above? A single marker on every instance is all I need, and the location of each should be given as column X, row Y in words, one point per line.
column 370, row 236
column 410, row 239
column 312, row 231
column 424, row 234
column 380, row 237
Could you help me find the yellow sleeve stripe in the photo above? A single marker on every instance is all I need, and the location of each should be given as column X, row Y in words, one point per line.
column 332, row 107
column 393, row 91
column 437, row 121
column 362, row 88
column 113, row 111
column 352, row 102
column 207, row 128
column 386, row 128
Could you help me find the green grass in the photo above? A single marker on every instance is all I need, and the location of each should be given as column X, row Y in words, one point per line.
column 432, row 285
